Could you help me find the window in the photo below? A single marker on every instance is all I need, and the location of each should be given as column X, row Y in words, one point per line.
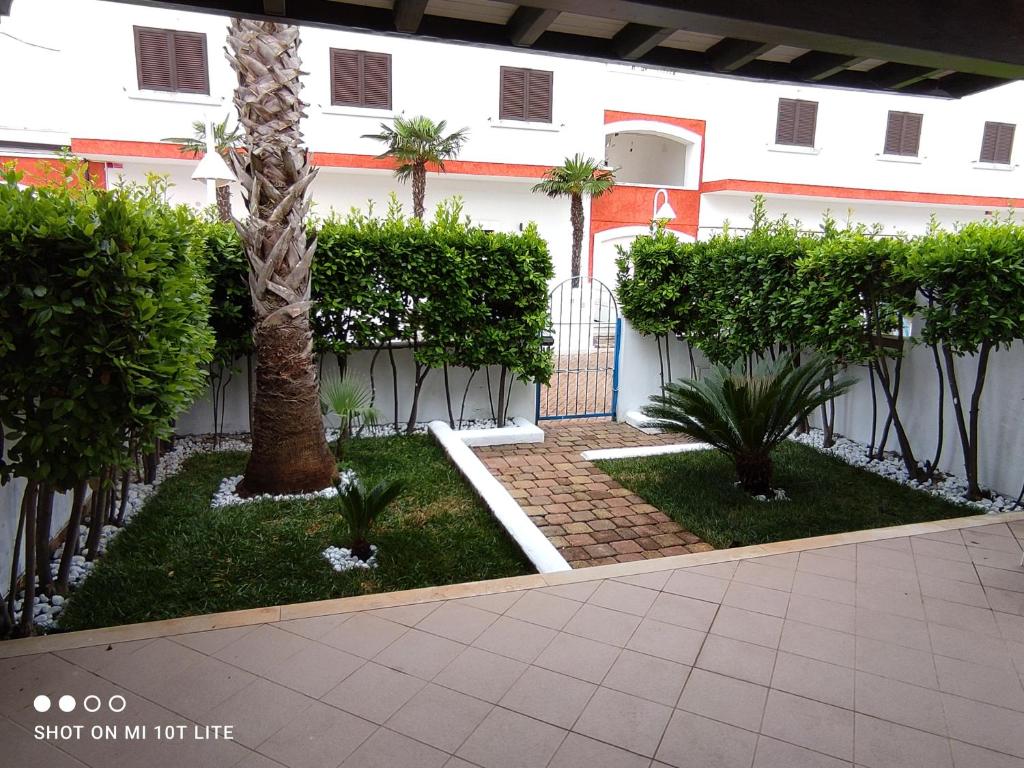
column 796, row 122
column 169, row 60
column 903, row 134
column 525, row 94
column 997, row 143
column 360, row 79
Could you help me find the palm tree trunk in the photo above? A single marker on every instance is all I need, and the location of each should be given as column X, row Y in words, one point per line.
column 754, row 473
column 576, row 217
column 289, row 448
column 419, row 190
column 224, row 203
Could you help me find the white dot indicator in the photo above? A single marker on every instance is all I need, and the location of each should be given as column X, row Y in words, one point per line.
column 41, row 703
column 66, row 703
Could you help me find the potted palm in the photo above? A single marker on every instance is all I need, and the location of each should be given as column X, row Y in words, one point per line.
column 746, row 415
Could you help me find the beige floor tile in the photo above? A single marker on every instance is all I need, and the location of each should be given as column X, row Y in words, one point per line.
column 374, row 692
column 516, row 639
column 148, row 669
column 322, row 736
column 580, row 591
column 1005, row 600
column 456, row 621
column 898, row 630
column 95, row 657
column 420, row 654
column 994, row 558
column 725, row 570
column 263, row 648
column 499, row 602
column 1001, row 579
column 623, row 597
column 748, row 626
column 683, row 611
column 481, row 673
column 20, row 748
column 981, row 683
column 692, row 741
column 655, row 581
column 458, row 762
column 1011, row 627
column 814, row 679
column 871, row 554
column 388, row 749
column 894, row 579
column 648, row 677
column 984, row 725
column 667, row 641
column 578, row 657
column 200, row 687
column 603, row 624
column 821, row 613
column 881, row 744
column 961, row 616
column 549, row 696
column 751, row 597
column 735, row 658
column 946, row 569
column 509, row 740
column 772, row 753
column 788, row 560
column 901, row 703
column 579, row 751
column 836, row 567
column 841, row 551
column 258, row 710
column 991, row 538
column 629, row 722
column 970, row 756
column 314, row 671
column 754, row 572
column 811, row 724
column 407, row 615
column 824, row 587
column 899, row 603
column 723, row 698
column 314, row 627
column 440, row 717
column 363, row 635
column 940, row 549
column 954, row 591
column 546, row 610
column 896, row 662
column 970, row 646
column 213, row 640
column 689, row 584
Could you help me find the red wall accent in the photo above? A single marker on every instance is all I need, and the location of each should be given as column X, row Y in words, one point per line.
column 690, row 124
column 42, row 171
column 855, row 193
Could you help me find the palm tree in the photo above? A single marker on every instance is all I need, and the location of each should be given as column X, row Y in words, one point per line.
column 227, row 142
column 576, row 177
column 747, row 415
column 352, row 402
column 289, row 448
column 416, row 143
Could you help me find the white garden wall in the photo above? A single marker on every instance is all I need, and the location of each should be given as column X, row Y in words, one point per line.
column 1001, row 455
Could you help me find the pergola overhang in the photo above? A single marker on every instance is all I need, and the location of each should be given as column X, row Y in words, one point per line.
column 946, row 48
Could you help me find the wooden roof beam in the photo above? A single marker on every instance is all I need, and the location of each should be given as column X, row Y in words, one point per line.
column 409, row 14
column 635, row 40
column 527, row 24
column 730, row 54
column 816, row 66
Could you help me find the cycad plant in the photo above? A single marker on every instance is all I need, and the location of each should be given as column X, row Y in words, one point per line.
column 414, row 143
column 746, row 415
column 352, row 402
column 360, row 509
column 577, row 177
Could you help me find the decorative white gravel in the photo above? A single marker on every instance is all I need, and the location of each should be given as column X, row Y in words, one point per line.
column 949, row 487
column 226, row 496
column 342, row 559
column 388, row 430
column 778, row 494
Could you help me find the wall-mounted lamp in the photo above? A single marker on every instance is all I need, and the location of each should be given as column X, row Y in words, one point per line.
column 212, row 169
column 665, row 212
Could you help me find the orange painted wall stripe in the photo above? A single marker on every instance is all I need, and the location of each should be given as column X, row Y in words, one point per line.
column 855, row 193
column 690, row 124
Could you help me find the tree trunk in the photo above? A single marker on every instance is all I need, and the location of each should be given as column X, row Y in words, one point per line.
column 289, row 447
column 419, row 375
column 933, row 467
column 44, row 520
column 12, row 592
column 500, row 421
column 906, row 451
column 971, row 459
column 224, row 203
column 754, row 473
column 71, row 537
column 419, row 190
column 97, row 510
column 28, row 503
column 448, row 397
column 576, row 217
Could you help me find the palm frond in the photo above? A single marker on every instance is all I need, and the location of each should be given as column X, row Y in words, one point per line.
column 419, row 141
column 578, row 175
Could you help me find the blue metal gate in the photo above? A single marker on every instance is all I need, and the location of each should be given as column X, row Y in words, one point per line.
column 585, row 331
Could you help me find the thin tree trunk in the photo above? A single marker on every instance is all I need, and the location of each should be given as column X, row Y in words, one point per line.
column 29, row 501
column 576, row 218
column 394, row 383
column 661, row 360
column 907, row 452
column 490, row 392
column 448, row 396
column 44, row 520
column 123, row 497
column 289, row 446
column 693, row 363
column 501, row 397
column 973, row 482
column 874, row 411
column 420, row 374
column 933, row 468
column 419, row 190
column 958, row 408
column 71, row 537
column 465, row 394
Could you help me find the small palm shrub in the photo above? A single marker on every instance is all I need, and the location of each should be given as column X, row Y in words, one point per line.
column 360, row 509
column 352, row 402
column 746, row 415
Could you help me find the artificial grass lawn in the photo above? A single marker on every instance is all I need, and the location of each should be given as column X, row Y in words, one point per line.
column 826, row 496
column 178, row 557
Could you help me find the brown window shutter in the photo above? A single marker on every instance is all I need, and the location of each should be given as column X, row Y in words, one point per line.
column 538, row 95
column 512, row 94
column 806, row 123
column 785, row 123
column 997, row 143
column 346, row 77
column 903, row 133
column 153, row 59
column 377, row 80
column 190, row 67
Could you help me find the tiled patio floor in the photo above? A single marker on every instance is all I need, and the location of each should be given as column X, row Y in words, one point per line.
column 898, row 653
column 590, row 518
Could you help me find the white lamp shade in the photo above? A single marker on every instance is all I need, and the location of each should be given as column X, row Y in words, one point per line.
column 212, row 167
column 665, row 212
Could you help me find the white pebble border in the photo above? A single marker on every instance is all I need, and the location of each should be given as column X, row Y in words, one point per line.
column 226, row 496
column 949, row 487
column 342, row 559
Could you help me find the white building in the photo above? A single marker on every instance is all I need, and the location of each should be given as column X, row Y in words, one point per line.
column 112, row 81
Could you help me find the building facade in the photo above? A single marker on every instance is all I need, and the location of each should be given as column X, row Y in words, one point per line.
column 113, row 81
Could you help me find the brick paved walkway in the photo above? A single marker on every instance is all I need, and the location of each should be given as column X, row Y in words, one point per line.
column 590, row 518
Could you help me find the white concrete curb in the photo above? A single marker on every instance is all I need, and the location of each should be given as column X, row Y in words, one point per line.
column 523, row 432
column 641, row 422
column 647, row 450
column 535, row 545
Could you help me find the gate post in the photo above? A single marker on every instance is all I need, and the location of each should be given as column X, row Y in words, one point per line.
column 615, row 369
